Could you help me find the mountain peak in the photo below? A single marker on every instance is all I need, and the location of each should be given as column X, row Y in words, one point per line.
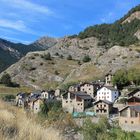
column 45, row 42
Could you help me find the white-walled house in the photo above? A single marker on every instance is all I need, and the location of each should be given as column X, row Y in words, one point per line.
column 107, row 93
column 48, row 94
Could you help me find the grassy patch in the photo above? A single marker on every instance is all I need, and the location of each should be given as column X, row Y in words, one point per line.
column 10, row 90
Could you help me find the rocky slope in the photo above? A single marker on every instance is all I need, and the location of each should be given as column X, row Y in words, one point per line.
column 77, row 48
column 33, row 70
column 45, row 42
column 135, row 15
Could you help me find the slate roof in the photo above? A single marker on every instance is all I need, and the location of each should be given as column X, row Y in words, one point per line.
column 133, row 98
column 22, row 94
column 105, row 101
column 82, row 95
column 133, row 92
column 109, row 87
column 136, row 108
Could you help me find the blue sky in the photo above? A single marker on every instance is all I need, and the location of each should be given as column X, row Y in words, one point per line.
column 27, row 20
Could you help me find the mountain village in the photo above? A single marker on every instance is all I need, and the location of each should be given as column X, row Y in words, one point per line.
column 90, row 99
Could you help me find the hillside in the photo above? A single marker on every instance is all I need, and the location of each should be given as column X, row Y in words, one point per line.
column 110, row 47
column 121, row 32
column 45, row 42
column 12, row 52
column 35, row 71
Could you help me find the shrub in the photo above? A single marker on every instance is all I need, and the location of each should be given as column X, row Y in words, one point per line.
column 41, row 64
column 8, row 97
column 46, row 56
column 120, row 78
column 56, row 72
column 6, row 79
column 57, row 54
column 86, row 58
column 69, row 57
column 61, row 56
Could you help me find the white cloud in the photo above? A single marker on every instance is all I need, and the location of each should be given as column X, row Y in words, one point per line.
column 18, row 25
column 28, row 5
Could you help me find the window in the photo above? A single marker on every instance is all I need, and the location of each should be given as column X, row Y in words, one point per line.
column 132, row 122
column 104, row 111
column 89, row 89
column 115, row 96
column 125, row 121
column 104, row 105
column 107, row 96
column 78, row 104
column 66, row 101
column 97, row 105
column 97, row 110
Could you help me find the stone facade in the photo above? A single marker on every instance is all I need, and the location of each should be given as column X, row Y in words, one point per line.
column 88, row 88
column 129, row 117
column 35, row 105
column 102, row 107
column 75, row 102
column 108, row 80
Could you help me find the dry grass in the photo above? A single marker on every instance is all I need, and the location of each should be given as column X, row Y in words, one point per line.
column 88, row 72
column 11, row 90
column 15, row 125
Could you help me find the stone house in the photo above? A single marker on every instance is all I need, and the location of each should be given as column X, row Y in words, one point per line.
column 21, row 99
column 57, row 93
column 129, row 118
column 74, row 88
column 134, row 100
column 108, row 79
column 103, row 107
column 135, row 93
column 107, row 93
column 47, row 94
column 88, row 88
column 35, row 104
column 76, row 101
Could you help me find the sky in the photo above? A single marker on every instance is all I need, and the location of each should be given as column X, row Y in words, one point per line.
column 27, row 20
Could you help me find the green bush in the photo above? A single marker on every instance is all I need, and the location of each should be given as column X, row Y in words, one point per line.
column 8, row 98
column 120, row 78
column 46, row 56
column 86, row 58
column 6, row 79
column 69, row 57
